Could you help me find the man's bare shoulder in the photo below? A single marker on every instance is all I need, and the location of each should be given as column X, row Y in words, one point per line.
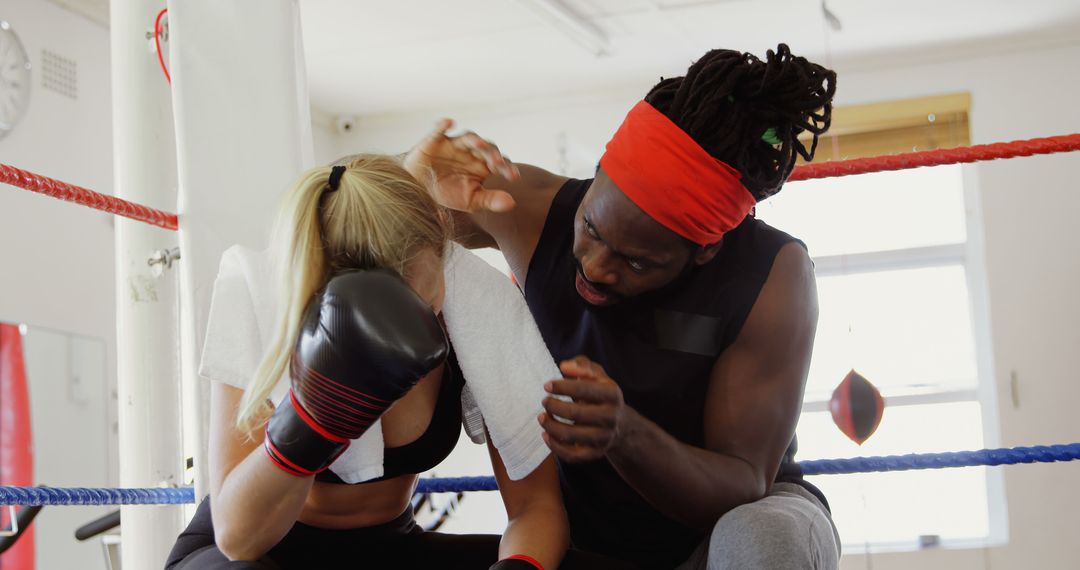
column 517, row 232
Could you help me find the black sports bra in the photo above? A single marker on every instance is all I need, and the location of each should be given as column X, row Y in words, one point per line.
column 435, row 444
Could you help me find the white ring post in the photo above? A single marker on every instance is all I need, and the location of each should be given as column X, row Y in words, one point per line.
column 144, row 164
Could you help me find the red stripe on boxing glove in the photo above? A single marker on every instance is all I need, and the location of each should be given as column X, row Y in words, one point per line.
column 517, row 562
column 365, row 340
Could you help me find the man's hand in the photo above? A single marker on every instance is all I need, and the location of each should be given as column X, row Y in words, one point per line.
column 454, row 169
column 597, row 411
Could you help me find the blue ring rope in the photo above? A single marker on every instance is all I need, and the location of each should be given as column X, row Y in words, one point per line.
column 1001, row 456
column 31, row 496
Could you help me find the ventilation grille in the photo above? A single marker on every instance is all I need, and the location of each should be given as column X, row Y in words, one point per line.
column 59, row 74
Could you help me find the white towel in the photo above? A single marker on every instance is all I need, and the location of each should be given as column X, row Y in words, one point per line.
column 503, row 357
column 501, row 353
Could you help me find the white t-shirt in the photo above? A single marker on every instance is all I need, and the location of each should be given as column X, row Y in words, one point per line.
column 492, row 351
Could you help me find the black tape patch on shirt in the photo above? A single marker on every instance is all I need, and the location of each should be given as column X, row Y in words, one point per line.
column 688, row 332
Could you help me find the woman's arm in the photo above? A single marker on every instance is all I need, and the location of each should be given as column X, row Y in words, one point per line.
column 536, row 525
column 253, row 502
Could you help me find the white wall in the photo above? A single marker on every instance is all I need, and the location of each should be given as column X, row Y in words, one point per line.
column 564, row 134
column 1028, row 214
column 57, row 263
column 324, row 141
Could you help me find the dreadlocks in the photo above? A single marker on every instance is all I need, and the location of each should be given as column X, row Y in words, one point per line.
column 729, row 100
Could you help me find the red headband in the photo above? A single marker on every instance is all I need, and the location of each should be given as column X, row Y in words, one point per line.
column 669, row 176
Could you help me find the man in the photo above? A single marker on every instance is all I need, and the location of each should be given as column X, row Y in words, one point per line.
column 684, row 326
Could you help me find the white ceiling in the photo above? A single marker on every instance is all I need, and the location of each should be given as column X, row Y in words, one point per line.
column 376, row 57
column 95, row 10
column 367, row 56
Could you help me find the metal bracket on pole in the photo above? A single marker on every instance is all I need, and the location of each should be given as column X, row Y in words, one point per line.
column 14, row 523
column 163, row 259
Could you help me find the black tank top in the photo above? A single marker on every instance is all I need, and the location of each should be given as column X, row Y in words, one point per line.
column 660, row 348
column 437, row 441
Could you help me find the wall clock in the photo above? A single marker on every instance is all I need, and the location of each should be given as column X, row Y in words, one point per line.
column 14, row 79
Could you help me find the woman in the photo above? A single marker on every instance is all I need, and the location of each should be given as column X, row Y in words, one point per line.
column 359, row 286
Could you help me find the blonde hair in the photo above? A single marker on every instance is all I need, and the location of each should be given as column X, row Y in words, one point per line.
column 379, row 216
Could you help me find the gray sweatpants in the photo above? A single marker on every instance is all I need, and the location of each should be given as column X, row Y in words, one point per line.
column 787, row 529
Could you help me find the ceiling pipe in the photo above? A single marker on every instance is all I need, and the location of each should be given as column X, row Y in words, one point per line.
column 572, row 24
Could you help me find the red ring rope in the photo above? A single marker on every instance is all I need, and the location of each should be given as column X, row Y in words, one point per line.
column 71, row 193
column 938, row 157
column 1049, row 145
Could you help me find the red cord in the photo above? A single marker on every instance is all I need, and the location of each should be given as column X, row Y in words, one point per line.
column 157, row 44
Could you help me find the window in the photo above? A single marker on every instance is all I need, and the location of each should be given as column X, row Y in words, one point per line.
column 901, row 302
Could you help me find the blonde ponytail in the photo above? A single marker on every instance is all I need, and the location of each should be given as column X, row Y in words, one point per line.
column 379, row 216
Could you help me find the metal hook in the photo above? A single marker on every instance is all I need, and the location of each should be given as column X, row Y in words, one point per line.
column 14, row 530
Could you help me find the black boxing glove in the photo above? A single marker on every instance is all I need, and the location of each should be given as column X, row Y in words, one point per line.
column 365, row 340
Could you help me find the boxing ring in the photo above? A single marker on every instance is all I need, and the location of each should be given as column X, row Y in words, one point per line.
column 156, row 122
column 33, row 497
column 36, row 496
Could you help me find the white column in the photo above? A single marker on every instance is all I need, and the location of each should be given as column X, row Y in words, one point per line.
column 146, row 321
